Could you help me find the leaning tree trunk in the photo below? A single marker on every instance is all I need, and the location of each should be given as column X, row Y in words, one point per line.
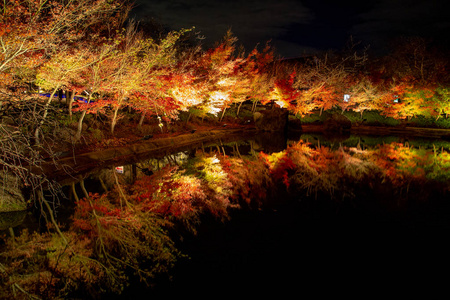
column 255, row 104
column 80, row 122
column 188, row 118
column 223, row 114
column 239, row 108
column 114, row 119
column 116, row 114
column 141, row 121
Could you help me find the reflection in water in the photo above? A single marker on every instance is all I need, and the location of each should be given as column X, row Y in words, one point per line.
column 246, row 212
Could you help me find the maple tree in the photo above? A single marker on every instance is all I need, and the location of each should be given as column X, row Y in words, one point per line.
column 283, row 92
column 29, row 27
column 255, row 80
column 158, row 66
column 91, row 81
column 216, row 68
column 321, row 85
column 84, row 47
column 57, row 72
column 211, row 81
column 443, row 102
column 48, row 37
column 364, row 95
column 125, row 74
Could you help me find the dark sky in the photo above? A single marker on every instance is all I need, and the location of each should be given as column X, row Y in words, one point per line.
column 298, row 27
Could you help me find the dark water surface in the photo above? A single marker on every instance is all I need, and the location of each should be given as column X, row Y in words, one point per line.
column 311, row 245
column 317, row 246
column 296, row 249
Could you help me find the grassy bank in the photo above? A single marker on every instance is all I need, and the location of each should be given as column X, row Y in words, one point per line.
column 374, row 118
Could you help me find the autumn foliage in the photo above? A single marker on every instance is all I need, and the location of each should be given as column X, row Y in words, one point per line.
column 107, row 67
column 127, row 232
column 87, row 50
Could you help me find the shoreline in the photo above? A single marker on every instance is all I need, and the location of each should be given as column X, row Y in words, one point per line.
column 70, row 168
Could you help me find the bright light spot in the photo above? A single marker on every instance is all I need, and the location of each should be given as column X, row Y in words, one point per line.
column 188, row 96
column 217, row 101
column 216, row 177
column 226, row 82
column 282, row 104
column 277, row 95
column 219, row 96
column 346, row 97
column 213, row 110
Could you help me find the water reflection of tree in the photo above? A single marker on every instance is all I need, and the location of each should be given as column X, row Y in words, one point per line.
column 129, row 230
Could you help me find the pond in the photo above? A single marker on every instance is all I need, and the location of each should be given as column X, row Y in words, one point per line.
column 299, row 226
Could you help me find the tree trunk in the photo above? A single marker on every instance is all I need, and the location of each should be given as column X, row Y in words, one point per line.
column 102, row 183
column 239, row 108
column 141, row 121
column 69, row 96
column 116, row 113
column 60, row 96
column 223, row 113
column 47, row 105
column 74, row 192
column 255, row 103
column 80, row 123
column 189, row 116
column 114, row 119
column 80, row 126
column 83, row 188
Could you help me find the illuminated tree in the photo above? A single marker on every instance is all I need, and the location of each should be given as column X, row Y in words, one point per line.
column 47, row 35
column 256, row 70
column 158, row 77
column 218, row 66
column 221, row 77
column 57, row 72
column 443, row 105
column 334, row 89
column 283, row 93
column 250, row 79
column 321, row 84
column 92, row 80
column 31, row 26
column 363, row 95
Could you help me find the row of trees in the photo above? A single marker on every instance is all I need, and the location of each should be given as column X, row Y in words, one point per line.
column 89, row 50
column 92, row 49
column 411, row 81
column 43, row 44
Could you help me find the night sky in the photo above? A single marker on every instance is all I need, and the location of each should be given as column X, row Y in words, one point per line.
column 301, row 27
